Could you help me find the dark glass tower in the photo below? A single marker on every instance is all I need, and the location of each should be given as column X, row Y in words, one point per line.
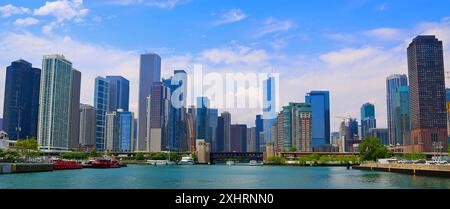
column 21, row 103
column 119, row 93
column 368, row 120
column 427, row 94
column 320, row 103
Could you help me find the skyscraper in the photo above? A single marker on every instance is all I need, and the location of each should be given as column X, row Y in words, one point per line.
column 55, row 106
column 202, row 119
column 212, row 128
column 368, row 120
column 119, row 131
column 74, row 117
column 259, row 128
column 101, row 104
column 351, row 134
column 87, row 127
column 427, row 94
column 320, row 104
column 251, row 143
column 191, row 128
column 392, row 83
column 21, row 101
column 223, row 132
column 119, row 93
column 149, row 72
column 297, row 119
column 112, row 140
column 270, row 107
column 402, row 116
column 381, row 133
column 158, row 105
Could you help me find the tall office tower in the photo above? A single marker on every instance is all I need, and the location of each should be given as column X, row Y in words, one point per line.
column 21, row 101
column 259, row 128
column 54, row 103
column 381, row 133
column 74, row 117
column 251, row 143
column 177, row 131
column 223, row 132
column 157, row 118
column 392, row 83
column 149, row 72
column 281, row 132
column 202, row 118
column 191, row 128
column 342, row 132
column 238, row 135
column 119, row 93
column 269, row 107
column 212, row 129
column 1, row 124
column 320, row 104
column 112, row 132
column 101, row 104
column 119, row 131
column 427, row 94
column 87, row 127
column 402, row 116
column 298, row 127
column 368, row 120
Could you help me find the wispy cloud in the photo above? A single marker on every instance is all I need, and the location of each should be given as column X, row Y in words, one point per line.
column 26, row 21
column 231, row 16
column 163, row 4
column 9, row 10
column 272, row 25
column 386, row 33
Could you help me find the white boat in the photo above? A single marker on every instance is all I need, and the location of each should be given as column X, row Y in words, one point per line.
column 230, row 162
column 187, row 161
column 253, row 163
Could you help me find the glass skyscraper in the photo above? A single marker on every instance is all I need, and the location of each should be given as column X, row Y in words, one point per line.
column 320, row 104
column 149, row 72
column 368, row 120
column 402, row 115
column 427, row 94
column 297, row 119
column 101, row 104
column 259, row 128
column 269, row 107
column 54, row 100
column 21, row 101
column 119, row 93
column 392, row 83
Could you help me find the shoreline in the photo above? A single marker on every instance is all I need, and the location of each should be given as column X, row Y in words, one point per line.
column 410, row 169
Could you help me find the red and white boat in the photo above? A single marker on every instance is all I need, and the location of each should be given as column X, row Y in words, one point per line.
column 66, row 165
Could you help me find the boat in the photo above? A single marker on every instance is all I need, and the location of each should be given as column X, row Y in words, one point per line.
column 105, row 163
column 187, row 161
column 160, row 162
column 230, row 162
column 253, row 163
column 66, row 165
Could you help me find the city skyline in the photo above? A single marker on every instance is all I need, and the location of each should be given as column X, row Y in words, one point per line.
column 382, row 48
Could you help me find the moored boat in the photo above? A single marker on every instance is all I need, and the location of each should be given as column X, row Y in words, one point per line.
column 66, row 165
column 105, row 163
column 187, row 161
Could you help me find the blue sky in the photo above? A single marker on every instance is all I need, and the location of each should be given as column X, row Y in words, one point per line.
column 345, row 46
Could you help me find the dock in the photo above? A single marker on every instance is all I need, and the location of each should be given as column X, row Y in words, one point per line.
column 411, row 169
column 25, row 168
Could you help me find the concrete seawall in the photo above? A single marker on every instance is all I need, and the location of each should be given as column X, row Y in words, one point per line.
column 24, row 168
column 420, row 170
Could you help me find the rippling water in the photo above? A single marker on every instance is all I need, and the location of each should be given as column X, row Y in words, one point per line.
column 219, row 177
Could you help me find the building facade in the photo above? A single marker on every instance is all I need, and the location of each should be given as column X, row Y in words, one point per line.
column 427, row 94
column 381, row 133
column 55, row 107
column 87, row 127
column 74, row 117
column 238, row 133
column 21, row 100
column 149, row 72
column 297, row 120
column 402, row 116
column 320, row 104
column 101, row 104
column 368, row 120
column 119, row 93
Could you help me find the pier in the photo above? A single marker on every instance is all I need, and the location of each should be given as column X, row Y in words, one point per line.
column 24, row 168
column 411, row 169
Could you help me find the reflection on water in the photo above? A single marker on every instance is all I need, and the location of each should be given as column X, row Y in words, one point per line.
column 221, row 177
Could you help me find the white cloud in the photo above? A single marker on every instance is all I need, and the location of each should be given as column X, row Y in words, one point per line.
column 9, row 10
column 63, row 10
column 26, row 21
column 348, row 56
column 272, row 25
column 386, row 33
column 231, row 16
column 240, row 54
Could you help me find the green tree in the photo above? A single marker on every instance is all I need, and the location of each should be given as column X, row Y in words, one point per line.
column 9, row 155
column 74, row 155
column 94, row 153
column 275, row 160
column 140, row 156
column 371, row 149
column 28, row 148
